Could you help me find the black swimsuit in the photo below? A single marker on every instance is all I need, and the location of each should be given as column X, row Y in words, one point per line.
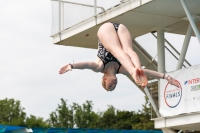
column 106, row 56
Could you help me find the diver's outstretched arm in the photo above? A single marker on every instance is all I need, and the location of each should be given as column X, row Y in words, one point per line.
column 154, row 74
column 150, row 73
column 81, row 65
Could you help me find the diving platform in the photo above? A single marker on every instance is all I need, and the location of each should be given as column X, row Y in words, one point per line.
column 185, row 122
column 140, row 17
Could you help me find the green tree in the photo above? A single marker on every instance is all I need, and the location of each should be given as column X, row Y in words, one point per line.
column 34, row 122
column 84, row 117
column 77, row 115
column 62, row 117
column 124, row 119
column 11, row 113
column 108, row 120
column 144, row 117
column 53, row 120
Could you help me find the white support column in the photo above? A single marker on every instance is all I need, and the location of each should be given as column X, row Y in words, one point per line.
column 161, row 50
column 161, row 68
column 194, row 27
column 184, row 48
column 161, row 56
column 161, row 63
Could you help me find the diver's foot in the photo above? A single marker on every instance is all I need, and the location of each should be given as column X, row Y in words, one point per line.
column 143, row 78
column 135, row 76
column 139, row 77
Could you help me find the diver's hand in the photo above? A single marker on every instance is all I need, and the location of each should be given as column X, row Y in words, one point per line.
column 172, row 81
column 65, row 69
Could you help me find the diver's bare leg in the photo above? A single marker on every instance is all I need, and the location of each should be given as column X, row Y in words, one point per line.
column 126, row 43
column 109, row 38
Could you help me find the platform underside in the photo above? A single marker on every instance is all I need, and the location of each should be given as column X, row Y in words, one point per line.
column 139, row 16
column 189, row 121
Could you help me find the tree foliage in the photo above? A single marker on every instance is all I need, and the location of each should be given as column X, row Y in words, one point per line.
column 144, row 117
column 109, row 117
column 84, row 117
column 79, row 116
column 34, row 122
column 63, row 116
column 11, row 112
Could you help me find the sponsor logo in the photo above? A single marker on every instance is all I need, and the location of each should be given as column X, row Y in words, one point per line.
column 185, row 82
column 195, row 88
column 192, row 81
column 172, row 95
column 196, row 98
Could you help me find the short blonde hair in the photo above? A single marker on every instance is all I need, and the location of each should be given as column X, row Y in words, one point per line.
column 103, row 82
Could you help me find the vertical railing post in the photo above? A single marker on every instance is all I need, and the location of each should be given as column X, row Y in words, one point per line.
column 95, row 10
column 59, row 21
column 191, row 19
column 63, row 15
column 95, row 7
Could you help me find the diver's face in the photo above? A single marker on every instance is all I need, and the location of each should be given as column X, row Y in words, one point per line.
column 111, row 83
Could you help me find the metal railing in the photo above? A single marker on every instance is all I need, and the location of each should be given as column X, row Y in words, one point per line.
column 173, row 49
column 74, row 13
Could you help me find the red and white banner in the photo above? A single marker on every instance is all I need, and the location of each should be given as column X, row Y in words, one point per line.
column 186, row 99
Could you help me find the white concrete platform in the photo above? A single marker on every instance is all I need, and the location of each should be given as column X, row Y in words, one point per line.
column 189, row 121
column 140, row 16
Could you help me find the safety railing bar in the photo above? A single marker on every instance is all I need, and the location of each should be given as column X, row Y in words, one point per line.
column 59, row 15
column 59, row 25
column 173, row 49
column 173, row 54
column 151, row 61
column 95, row 10
column 95, row 7
column 152, row 102
column 59, row 32
column 177, row 51
column 80, row 4
column 63, row 16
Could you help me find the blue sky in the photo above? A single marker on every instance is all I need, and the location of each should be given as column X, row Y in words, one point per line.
column 30, row 63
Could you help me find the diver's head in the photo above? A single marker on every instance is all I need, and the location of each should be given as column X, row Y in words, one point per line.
column 109, row 82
